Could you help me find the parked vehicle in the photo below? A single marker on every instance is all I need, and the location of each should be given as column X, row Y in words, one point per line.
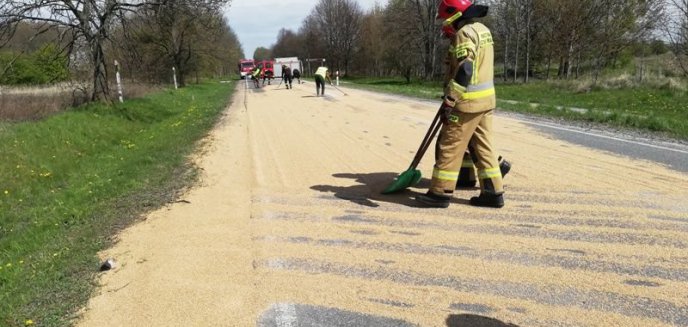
column 291, row 62
column 245, row 67
column 267, row 69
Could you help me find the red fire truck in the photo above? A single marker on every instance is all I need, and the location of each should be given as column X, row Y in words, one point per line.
column 245, row 67
column 267, row 69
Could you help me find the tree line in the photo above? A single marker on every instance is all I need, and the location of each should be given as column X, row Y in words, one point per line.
column 542, row 38
column 147, row 38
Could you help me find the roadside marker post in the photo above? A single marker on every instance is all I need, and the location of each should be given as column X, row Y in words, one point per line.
column 119, row 83
column 174, row 76
column 337, row 76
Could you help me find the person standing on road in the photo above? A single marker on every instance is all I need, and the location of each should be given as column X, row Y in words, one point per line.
column 321, row 74
column 468, row 105
column 255, row 75
column 286, row 76
column 297, row 74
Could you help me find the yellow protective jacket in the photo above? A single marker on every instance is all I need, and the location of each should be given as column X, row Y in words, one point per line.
column 321, row 71
column 473, row 44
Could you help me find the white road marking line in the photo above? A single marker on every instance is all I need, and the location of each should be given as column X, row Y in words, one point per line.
column 596, row 135
column 286, row 315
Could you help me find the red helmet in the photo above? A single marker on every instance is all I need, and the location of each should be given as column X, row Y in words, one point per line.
column 450, row 11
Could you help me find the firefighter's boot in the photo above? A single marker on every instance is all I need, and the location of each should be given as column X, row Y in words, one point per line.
column 504, row 166
column 433, row 200
column 467, row 178
column 488, row 200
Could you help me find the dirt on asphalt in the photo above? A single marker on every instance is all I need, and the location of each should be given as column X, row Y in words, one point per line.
column 288, row 228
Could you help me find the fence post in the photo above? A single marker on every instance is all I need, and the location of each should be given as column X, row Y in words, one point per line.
column 119, row 83
column 174, row 76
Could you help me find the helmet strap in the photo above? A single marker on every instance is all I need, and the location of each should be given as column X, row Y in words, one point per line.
column 449, row 21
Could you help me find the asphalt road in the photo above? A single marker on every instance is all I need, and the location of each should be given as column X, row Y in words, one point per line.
column 671, row 154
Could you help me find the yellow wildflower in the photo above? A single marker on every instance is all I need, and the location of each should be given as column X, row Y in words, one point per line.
column 28, row 322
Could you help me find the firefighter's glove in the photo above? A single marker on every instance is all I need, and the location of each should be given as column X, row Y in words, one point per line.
column 446, row 113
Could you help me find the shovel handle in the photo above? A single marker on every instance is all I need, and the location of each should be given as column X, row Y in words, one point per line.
column 432, row 131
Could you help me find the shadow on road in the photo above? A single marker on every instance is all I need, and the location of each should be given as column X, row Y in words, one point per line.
column 367, row 193
column 471, row 320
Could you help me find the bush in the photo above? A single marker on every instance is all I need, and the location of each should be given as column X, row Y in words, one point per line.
column 47, row 65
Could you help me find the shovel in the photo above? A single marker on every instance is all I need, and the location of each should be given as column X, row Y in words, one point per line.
column 412, row 175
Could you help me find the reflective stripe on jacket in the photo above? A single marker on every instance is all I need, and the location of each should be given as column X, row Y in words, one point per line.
column 473, row 45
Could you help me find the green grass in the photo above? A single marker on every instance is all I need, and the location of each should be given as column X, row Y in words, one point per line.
column 421, row 89
column 651, row 108
column 68, row 183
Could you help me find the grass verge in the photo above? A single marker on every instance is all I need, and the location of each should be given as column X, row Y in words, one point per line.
column 70, row 182
column 660, row 109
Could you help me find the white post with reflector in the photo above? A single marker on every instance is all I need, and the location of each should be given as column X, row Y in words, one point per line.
column 119, row 83
column 174, row 76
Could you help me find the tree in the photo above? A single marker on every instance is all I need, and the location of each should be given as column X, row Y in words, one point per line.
column 676, row 28
column 289, row 44
column 262, row 53
column 178, row 31
column 340, row 23
column 372, row 45
column 400, row 50
column 87, row 22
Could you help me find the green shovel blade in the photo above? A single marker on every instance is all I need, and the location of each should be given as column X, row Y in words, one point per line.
column 406, row 179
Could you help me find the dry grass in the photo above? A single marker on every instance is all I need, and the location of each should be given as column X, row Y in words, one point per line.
column 134, row 90
column 38, row 102
column 20, row 104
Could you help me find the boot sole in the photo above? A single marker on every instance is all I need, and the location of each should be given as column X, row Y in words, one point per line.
column 431, row 203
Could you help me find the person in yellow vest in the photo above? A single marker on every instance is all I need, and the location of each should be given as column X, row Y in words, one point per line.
column 255, row 75
column 321, row 74
column 469, row 102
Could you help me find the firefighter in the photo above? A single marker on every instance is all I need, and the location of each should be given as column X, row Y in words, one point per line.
column 297, row 74
column 267, row 75
column 286, row 76
column 321, row 74
column 255, row 75
column 468, row 105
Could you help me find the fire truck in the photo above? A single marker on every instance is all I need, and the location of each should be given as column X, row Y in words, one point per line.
column 245, row 67
column 291, row 62
column 267, row 69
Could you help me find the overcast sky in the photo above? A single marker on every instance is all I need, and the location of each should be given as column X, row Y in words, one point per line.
column 257, row 22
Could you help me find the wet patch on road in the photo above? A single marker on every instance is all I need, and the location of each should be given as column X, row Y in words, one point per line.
column 365, row 232
column 565, row 296
column 472, row 307
column 304, row 315
column 667, row 218
column 579, row 252
column 576, row 262
column 355, row 218
column 646, row 283
column 391, row 303
column 401, row 232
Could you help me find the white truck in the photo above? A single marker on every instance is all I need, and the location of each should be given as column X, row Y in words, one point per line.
column 291, row 62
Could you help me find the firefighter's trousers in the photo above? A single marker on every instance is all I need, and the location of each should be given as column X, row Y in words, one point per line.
column 455, row 136
column 467, row 172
